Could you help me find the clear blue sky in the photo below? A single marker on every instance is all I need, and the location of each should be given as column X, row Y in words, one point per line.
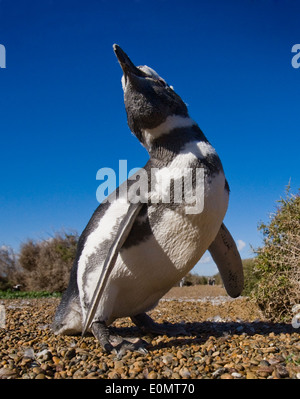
column 62, row 115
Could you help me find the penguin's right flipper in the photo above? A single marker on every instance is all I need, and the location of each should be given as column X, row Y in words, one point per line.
column 226, row 256
column 124, row 230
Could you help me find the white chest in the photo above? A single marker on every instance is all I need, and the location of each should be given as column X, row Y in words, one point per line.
column 185, row 235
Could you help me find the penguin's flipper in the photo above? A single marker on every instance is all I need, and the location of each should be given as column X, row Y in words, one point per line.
column 124, row 230
column 226, row 256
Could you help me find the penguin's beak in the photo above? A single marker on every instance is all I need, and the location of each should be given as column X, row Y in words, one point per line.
column 126, row 64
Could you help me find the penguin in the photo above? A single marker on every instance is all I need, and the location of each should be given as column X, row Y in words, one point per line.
column 137, row 246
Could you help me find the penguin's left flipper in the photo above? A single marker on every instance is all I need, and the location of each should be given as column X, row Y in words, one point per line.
column 226, row 256
column 124, row 230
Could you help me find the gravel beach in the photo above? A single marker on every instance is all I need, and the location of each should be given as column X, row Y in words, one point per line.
column 226, row 339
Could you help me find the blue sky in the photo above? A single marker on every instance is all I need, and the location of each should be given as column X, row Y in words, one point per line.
column 62, row 115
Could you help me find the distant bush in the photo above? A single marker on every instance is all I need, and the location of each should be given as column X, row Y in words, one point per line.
column 218, row 279
column 46, row 264
column 195, row 279
column 277, row 265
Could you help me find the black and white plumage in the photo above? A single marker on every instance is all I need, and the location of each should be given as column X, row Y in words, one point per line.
column 130, row 254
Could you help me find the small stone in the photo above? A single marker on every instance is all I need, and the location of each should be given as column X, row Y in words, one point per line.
column 132, row 373
column 15, row 357
column 118, row 364
column 113, row 375
column 78, row 375
column 217, row 319
column 152, row 375
column 25, row 361
column 281, row 371
column 184, row 373
column 45, row 366
column 56, row 359
column 167, row 359
column 226, row 376
column 7, row 373
column 265, row 371
column 271, row 349
column 251, row 376
column 218, row 372
column 264, row 363
column 236, row 375
column 45, row 354
column 59, row 367
column 40, row 376
column 70, row 353
column 37, row 370
column 274, row 360
column 103, row 366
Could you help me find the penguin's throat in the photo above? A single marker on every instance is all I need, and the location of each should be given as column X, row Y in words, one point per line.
column 171, row 122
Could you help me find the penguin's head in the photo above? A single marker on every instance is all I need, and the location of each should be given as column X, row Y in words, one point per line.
column 149, row 100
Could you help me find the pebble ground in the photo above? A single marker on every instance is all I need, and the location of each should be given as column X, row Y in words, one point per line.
column 226, row 339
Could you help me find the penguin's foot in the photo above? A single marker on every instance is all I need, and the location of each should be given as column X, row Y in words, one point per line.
column 101, row 333
column 114, row 344
column 147, row 325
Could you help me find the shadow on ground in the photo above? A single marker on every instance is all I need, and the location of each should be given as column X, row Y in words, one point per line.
column 199, row 332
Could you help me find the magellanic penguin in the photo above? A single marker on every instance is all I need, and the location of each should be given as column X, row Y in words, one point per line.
column 133, row 251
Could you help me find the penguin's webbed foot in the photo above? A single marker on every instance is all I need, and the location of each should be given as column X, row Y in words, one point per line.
column 101, row 333
column 147, row 325
column 116, row 345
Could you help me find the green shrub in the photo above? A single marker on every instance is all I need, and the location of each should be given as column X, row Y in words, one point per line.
column 277, row 265
column 250, row 276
